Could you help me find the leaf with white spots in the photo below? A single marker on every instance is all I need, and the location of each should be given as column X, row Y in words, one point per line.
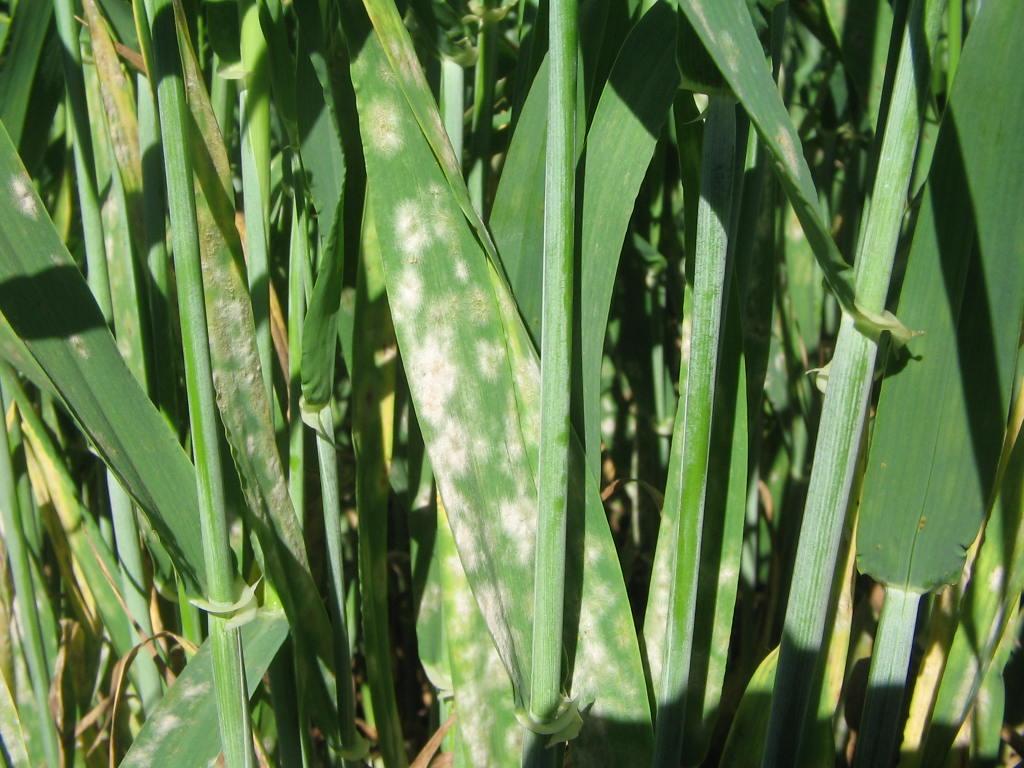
column 474, row 379
column 487, row 732
column 183, row 728
column 241, row 398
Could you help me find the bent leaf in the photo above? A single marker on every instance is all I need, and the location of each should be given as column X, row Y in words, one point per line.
column 47, row 303
column 727, row 32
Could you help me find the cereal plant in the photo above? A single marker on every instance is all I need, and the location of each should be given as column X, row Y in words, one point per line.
column 529, row 383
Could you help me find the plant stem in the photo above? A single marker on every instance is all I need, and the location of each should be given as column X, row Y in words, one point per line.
column 85, row 171
column 229, row 675
column 692, row 437
column 849, row 385
column 890, row 659
column 556, row 362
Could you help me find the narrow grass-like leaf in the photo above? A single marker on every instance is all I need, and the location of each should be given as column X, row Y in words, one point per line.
column 682, row 527
column 862, row 31
column 373, row 395
column 479, row 388
column 91, row 554
column 849, row 383
column 85, row 166
column 924, row 501
column 632, row 108
column 28, row 620
column 620, row 143
column 725, row 29
column 890, row 658
column 406, row 71
column 23, row 50
column 517, row 214
column 997, row 579
column 426, row 568
column 721, row 540
column 545, row 700
column 176, row 125
column 120, row 118
column 82, row 363
column 12, row 738
column 487, row 730
column 254, row 130
column 324, row 161
column 745, row 741
column 241, row 397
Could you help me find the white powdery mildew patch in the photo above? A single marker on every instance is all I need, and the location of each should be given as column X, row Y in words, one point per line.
column 517, row 522
column 727, row 574
column 24, row 200
column 195, row 691
column 412, row 231
column 469, row 652
column 479, row 306
column 469, row 550
column 461, row 270
column 140, row 755
column 490, row 357
column 595, row 654
column 624, row 631
column 348, row 299
column 386, row 74
column 661, row 588
column 481, row 448
column 408, row 294
column 450, row 454
column 996, row 578
column 488, row 599
column 78, row 344
column 478, row 722
column 788, row 149
column 385, row 127
column 592, row 553
column 513, row 741
column 442, row 221
column 464, row 606
column 528, row 381
column 600, row 592
column 513, row 439
column 385, row 355
column 166, row 725
column 732, row 52
column 433, row 378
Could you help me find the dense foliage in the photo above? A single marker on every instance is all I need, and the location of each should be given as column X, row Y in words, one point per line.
column 529, row 383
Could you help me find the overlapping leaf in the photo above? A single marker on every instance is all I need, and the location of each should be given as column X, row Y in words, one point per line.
column 48, row 305
column 474, row 380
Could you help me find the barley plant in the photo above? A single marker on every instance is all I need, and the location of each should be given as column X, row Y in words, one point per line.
column 531, row 383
